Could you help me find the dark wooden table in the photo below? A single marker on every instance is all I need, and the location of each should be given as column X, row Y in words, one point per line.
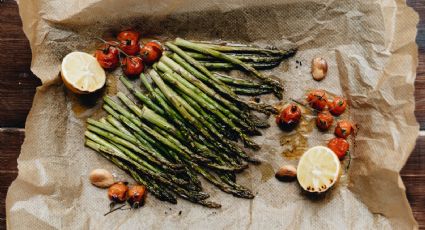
column 17, row 88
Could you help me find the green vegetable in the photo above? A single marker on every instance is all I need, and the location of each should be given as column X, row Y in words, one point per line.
column 189, row 121
column 277, row 87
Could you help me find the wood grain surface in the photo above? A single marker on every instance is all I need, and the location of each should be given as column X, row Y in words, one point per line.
column 18, row 84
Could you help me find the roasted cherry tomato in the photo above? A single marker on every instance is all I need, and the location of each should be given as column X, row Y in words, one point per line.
column 107, row 56
column 289, row 117
column 155, row 44
column 337, row 106
column 118, row 192
column 343, row 129
column 129, row 42
column 324, row 120
column 151, row 52
column 317, row 99
column 132, row 66
column 339, row 146
column 136, row 195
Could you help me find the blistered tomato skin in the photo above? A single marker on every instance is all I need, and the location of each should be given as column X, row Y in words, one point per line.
column 132, row 66
column 337, row 106
column 324, row 120
column 339, row 146
column 155, row 44
column 317, row 99
column 118, row 192
column 107, row 56
column 150, row 53
column 343, row 129
column 136, row 195
column 289, row 118
column 129, row 42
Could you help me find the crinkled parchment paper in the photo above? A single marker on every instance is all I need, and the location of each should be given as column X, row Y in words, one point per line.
column 372, row 55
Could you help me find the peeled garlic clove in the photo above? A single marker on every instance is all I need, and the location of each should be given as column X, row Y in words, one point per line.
column 319, row 68
column 286, row 173
column 101, row 178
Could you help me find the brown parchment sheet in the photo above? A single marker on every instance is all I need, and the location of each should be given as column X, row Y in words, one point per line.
column 372, row 56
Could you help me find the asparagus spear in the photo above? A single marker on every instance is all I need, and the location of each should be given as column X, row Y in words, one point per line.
column 141, row 132
column 113, row 130
column 111, row 111
column 129, row 119
column 160, row 98
column 118, row 125
column 199, row 56
column 173, row 66
column 144, row 140
column 109, row 146
column 176, row 101
column 249, row 49
column 256, row 58
column 131, row 105
column 251, row 92
column 191, row 196
column 145, row 83
column 156, row 173
column 192, row 65
column 223, row 128
column 217, row 84
column 118, row 150
column 136, row 141
column 243, row 193
column 127, row 144
column 223, row 43
column 210, row 105
column 220, row 148
column 140, row 96
column 176, row 188
column 238, row 82
column 247, row 141
column 229, row 66
column 170, row 110
column 127, row 148
column 213, row 143
column 141, row 136
column 179, row 122
column 167, row 65
column 158, row 145
column 231, row 181
column 194, row 117
column 160, row 193
column 149, row 115
column 159, row 121
column 196, row 184
column 196, row 197
column 162, row 123
column 276, row 84
column 104, row 121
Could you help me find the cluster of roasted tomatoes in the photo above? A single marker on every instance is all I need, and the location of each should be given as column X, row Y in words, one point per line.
column 128, row 52
column 326, row 109
column 134, row 195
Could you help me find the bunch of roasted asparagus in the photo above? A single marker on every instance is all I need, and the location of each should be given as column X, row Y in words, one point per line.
column 189, row 120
